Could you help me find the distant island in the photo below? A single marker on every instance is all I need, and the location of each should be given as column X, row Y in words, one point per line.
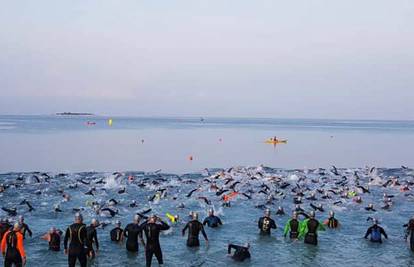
column 74, row 114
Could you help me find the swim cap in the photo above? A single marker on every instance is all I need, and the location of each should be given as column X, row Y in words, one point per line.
column 312, row 214
column 16, row 225
column 21, row 218
column 195, row 215
column 117, row 222
column 331, row 213
column 137, row 218
column 78, row 217
column 94, row 221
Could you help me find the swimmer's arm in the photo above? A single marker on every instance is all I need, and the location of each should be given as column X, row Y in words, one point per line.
column 163, row 226
column 29, row 231
column 141, row 238
column 204, row 233
column 383, row 232
column 368, row 233
column 46, row 237
column 303, row 228
column 321, row 227
column 219, row 221
column 287, row 228
column 20, row 246
column 184, row 229
column 96, row 241
column 273, row 226
column 3, row 243
column 65, row 241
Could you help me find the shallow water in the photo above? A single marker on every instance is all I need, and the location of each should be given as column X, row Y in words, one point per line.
column 343, row 247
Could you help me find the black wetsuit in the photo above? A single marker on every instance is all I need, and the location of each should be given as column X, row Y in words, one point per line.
column 212, row 221
column 76, row 233
column 194, row 228
column 410, row 233
column 116, row 234
column 152, row 246
column 311, row 237
column 265, row 224
column 4, row 227
column 25, row 228
column 376, row 232
column 294, row 229
column 54, row 243
column 91, row 238
column 240, row 254
column 332, row 223
column 132, row 232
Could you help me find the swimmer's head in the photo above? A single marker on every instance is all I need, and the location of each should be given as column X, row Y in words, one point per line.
column 312, row 214
column 94, row 222
column 137, row 218
column 195, row 216
column 78, row 217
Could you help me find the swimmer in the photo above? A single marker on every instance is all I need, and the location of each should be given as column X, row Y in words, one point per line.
column 133, row 234
column 212, row 220
column 292, row 227
column 280, row 211
column 331, row 222
column 152, row 230
column 241, row 253
column 370, row 207
column 117, row 233
column 53, row 237
column 310, row 229
column 76, row 237
column 24, row 227
column 194, row 228
column 376, row 232
column 92, row 238
column 266, row 223
column 12, row 247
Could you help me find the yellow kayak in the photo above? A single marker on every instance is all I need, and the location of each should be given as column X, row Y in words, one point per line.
column 275, row 142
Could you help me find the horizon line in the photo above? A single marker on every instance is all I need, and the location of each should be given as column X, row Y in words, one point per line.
column 56, row 114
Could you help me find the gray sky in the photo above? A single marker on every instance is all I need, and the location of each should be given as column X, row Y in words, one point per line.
column 313, row 59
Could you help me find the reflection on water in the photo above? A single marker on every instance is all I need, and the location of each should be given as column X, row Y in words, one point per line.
column 54, row 144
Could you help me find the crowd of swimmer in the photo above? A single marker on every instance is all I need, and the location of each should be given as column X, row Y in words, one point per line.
column 225, row 188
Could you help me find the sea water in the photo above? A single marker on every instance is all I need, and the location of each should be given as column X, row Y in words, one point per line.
column 67, row 145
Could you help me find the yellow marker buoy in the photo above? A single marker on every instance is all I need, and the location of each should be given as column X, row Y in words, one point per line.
column 110, row 122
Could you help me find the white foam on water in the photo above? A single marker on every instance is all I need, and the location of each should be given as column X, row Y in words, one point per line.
column 111, row 182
